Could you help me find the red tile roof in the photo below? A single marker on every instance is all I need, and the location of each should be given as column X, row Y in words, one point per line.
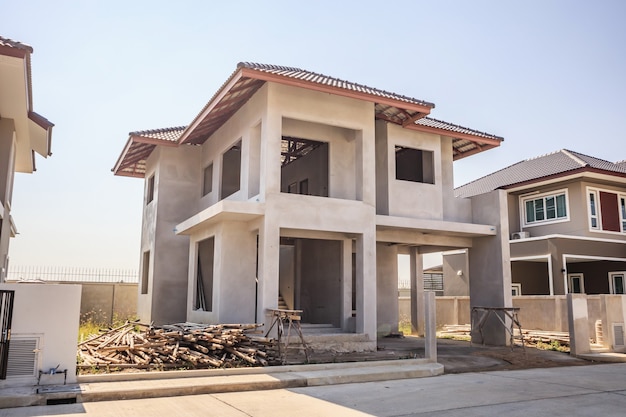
column 10, row 43
column 536, row 169
column 249, row 77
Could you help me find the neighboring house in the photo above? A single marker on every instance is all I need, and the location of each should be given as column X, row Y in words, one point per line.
column 38, row 323
column 22, row 132
column 567, row 217
column 297, row 186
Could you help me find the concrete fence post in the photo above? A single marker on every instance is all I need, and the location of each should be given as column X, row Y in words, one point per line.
column 430, row 326
column 577, row 314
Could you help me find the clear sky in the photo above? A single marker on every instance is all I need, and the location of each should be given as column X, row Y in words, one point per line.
column 545, row 75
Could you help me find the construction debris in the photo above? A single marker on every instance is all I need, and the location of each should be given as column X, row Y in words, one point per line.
column 184, row 345
column 530, row 336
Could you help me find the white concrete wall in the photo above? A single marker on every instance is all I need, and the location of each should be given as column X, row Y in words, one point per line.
column 387, row 289
column 177, row 189
column 49, row 312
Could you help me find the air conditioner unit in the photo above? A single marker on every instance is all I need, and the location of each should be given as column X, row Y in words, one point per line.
column 520, row 235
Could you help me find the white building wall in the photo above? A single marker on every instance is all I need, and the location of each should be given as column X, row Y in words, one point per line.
column 50, row 313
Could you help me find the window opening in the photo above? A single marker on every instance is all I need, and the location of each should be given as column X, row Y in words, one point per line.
column 150, row 190
column 145, row 272
column 231, row 171
column 207, row 184
column 414, row 165
column 204, row 275
column 304, row 166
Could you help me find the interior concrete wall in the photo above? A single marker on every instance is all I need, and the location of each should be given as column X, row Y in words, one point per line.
column 321, row 271
column 340, row 163
column 489, row 263
column 382, row 168
column 287, row 285
column 313, row 168
column 51, row 313
column 453, row 283
column 387, row 289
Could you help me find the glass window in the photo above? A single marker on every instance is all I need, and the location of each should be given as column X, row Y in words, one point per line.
column 545, row 208
column 593, row 210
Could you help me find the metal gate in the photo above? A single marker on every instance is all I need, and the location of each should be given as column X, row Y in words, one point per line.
column 6, row 313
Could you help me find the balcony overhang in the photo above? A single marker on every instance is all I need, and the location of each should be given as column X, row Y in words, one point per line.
column 225, row 210
column 403, row 230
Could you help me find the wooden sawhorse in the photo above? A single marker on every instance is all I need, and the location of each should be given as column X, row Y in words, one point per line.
column 291, row 318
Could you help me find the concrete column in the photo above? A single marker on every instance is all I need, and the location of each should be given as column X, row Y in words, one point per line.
column 346, row 291
column 578, row 324
column 490, row 265
column 269, row 255
column 430, row 326
column 417, row 291
column 366, row 283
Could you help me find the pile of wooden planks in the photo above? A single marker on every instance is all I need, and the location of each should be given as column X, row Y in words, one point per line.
column 135, row 345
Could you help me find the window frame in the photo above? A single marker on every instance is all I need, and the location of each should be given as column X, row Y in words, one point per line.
column 570, row 282
column 621, row 208
column 612, row 276
column 516, row 289
column 544, row 196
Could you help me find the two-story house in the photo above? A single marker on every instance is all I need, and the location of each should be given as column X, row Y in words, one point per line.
column 567, row 218
column 294, row 186
column 22, row 133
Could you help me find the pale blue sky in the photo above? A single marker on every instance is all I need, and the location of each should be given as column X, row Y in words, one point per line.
column 545, row 75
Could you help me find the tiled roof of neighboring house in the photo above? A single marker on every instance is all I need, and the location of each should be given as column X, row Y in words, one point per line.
column 406, row 111
column 538, row 168
column 10, row 43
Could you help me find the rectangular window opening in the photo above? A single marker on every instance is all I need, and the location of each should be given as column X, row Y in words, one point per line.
column 204, row 275
column 145, row 272
column 415, row 165
column 207, row 182
column 231, row 171
column 150, row 189
column 304, row 166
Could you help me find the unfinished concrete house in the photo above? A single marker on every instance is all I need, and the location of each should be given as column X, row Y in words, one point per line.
column 297, row 189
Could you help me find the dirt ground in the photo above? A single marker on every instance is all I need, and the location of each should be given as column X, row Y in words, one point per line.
column 456, row 355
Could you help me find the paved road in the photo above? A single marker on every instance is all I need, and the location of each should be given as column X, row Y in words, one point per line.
column 567, row 391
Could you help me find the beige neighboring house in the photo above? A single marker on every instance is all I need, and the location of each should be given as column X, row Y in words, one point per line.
column 38, row 323
column 23, row 133
column 295, row 187
column 567, row 218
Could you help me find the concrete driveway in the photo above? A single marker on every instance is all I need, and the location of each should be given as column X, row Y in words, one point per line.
column 561, row 391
